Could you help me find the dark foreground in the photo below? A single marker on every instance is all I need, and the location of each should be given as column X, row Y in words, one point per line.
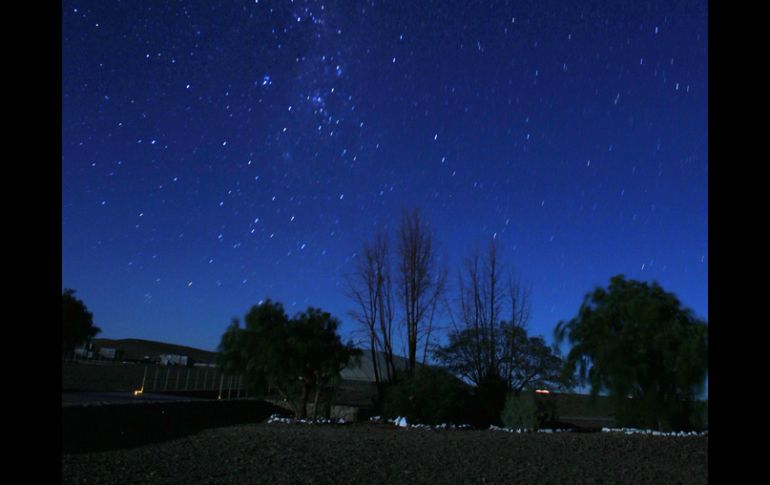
column 368, row 453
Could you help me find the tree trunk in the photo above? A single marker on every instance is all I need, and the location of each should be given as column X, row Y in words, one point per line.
column 664, row 424
column 315, row 402
column 393, row 377
column 377, row 379
column 302, row 405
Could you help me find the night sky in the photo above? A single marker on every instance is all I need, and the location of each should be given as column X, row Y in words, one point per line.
column 216, row 153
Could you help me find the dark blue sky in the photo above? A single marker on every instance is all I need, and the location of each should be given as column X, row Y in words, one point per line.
column 218, row 153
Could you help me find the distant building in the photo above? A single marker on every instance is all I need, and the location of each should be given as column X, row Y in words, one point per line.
column 109, row 353
column 152, row 352
column 174, row 359
column 84, row 351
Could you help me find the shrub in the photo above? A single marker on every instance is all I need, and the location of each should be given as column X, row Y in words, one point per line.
column 526, row 410
column 682, row 415
column 430, row 396
column 485, row 403
column 703, row 408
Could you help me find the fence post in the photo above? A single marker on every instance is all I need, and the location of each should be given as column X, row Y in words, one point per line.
column 144, row 377
column 168, row 372
column 187, row 380
column 221, row 382
column 155, row 382
column 197, row 375
column 240, row 384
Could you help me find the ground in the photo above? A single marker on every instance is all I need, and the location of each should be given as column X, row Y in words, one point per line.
column 378, row 453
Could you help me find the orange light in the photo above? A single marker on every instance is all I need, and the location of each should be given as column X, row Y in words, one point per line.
column 542, row 391
column 138, row 392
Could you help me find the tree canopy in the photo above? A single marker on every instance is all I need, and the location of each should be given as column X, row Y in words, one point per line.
column 77, row 325
column 523, row 362
column 635, row 341
column 294, row 356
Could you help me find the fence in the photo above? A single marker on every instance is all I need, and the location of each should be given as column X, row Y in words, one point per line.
column 170, row 378
column 118, row 377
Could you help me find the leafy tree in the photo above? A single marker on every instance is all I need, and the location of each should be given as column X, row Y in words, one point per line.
column 320, row 352
column 77, row 325
column 233, row 358
column 533, row 364
column 636, row 341
column 296, row 357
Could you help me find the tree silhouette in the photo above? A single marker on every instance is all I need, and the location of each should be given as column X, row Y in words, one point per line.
column 532, row 363
column 77, row 324
column 485, row 348
column 488, row 344
column 295, row 356
column 637, row 342
column 320, row 351
column 370, row 287
column 421, row 280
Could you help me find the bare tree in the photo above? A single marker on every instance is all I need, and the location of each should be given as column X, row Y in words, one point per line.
column 419, row 280
column 370, row 288
column 481, row 300
column 387, row 307
column 435, row 308
column 514, row 356
column 484, row 347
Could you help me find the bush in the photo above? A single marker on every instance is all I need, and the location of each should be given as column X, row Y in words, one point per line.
column 690, row 416
column 525, row 410
column 643, row 414
column 703, row 408
column 430, row 396
column 635, row 413
column 485, row 403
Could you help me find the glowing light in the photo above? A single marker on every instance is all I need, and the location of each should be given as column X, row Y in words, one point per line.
column 542, row 391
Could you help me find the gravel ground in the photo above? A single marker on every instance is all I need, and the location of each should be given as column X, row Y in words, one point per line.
column 381, row 453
